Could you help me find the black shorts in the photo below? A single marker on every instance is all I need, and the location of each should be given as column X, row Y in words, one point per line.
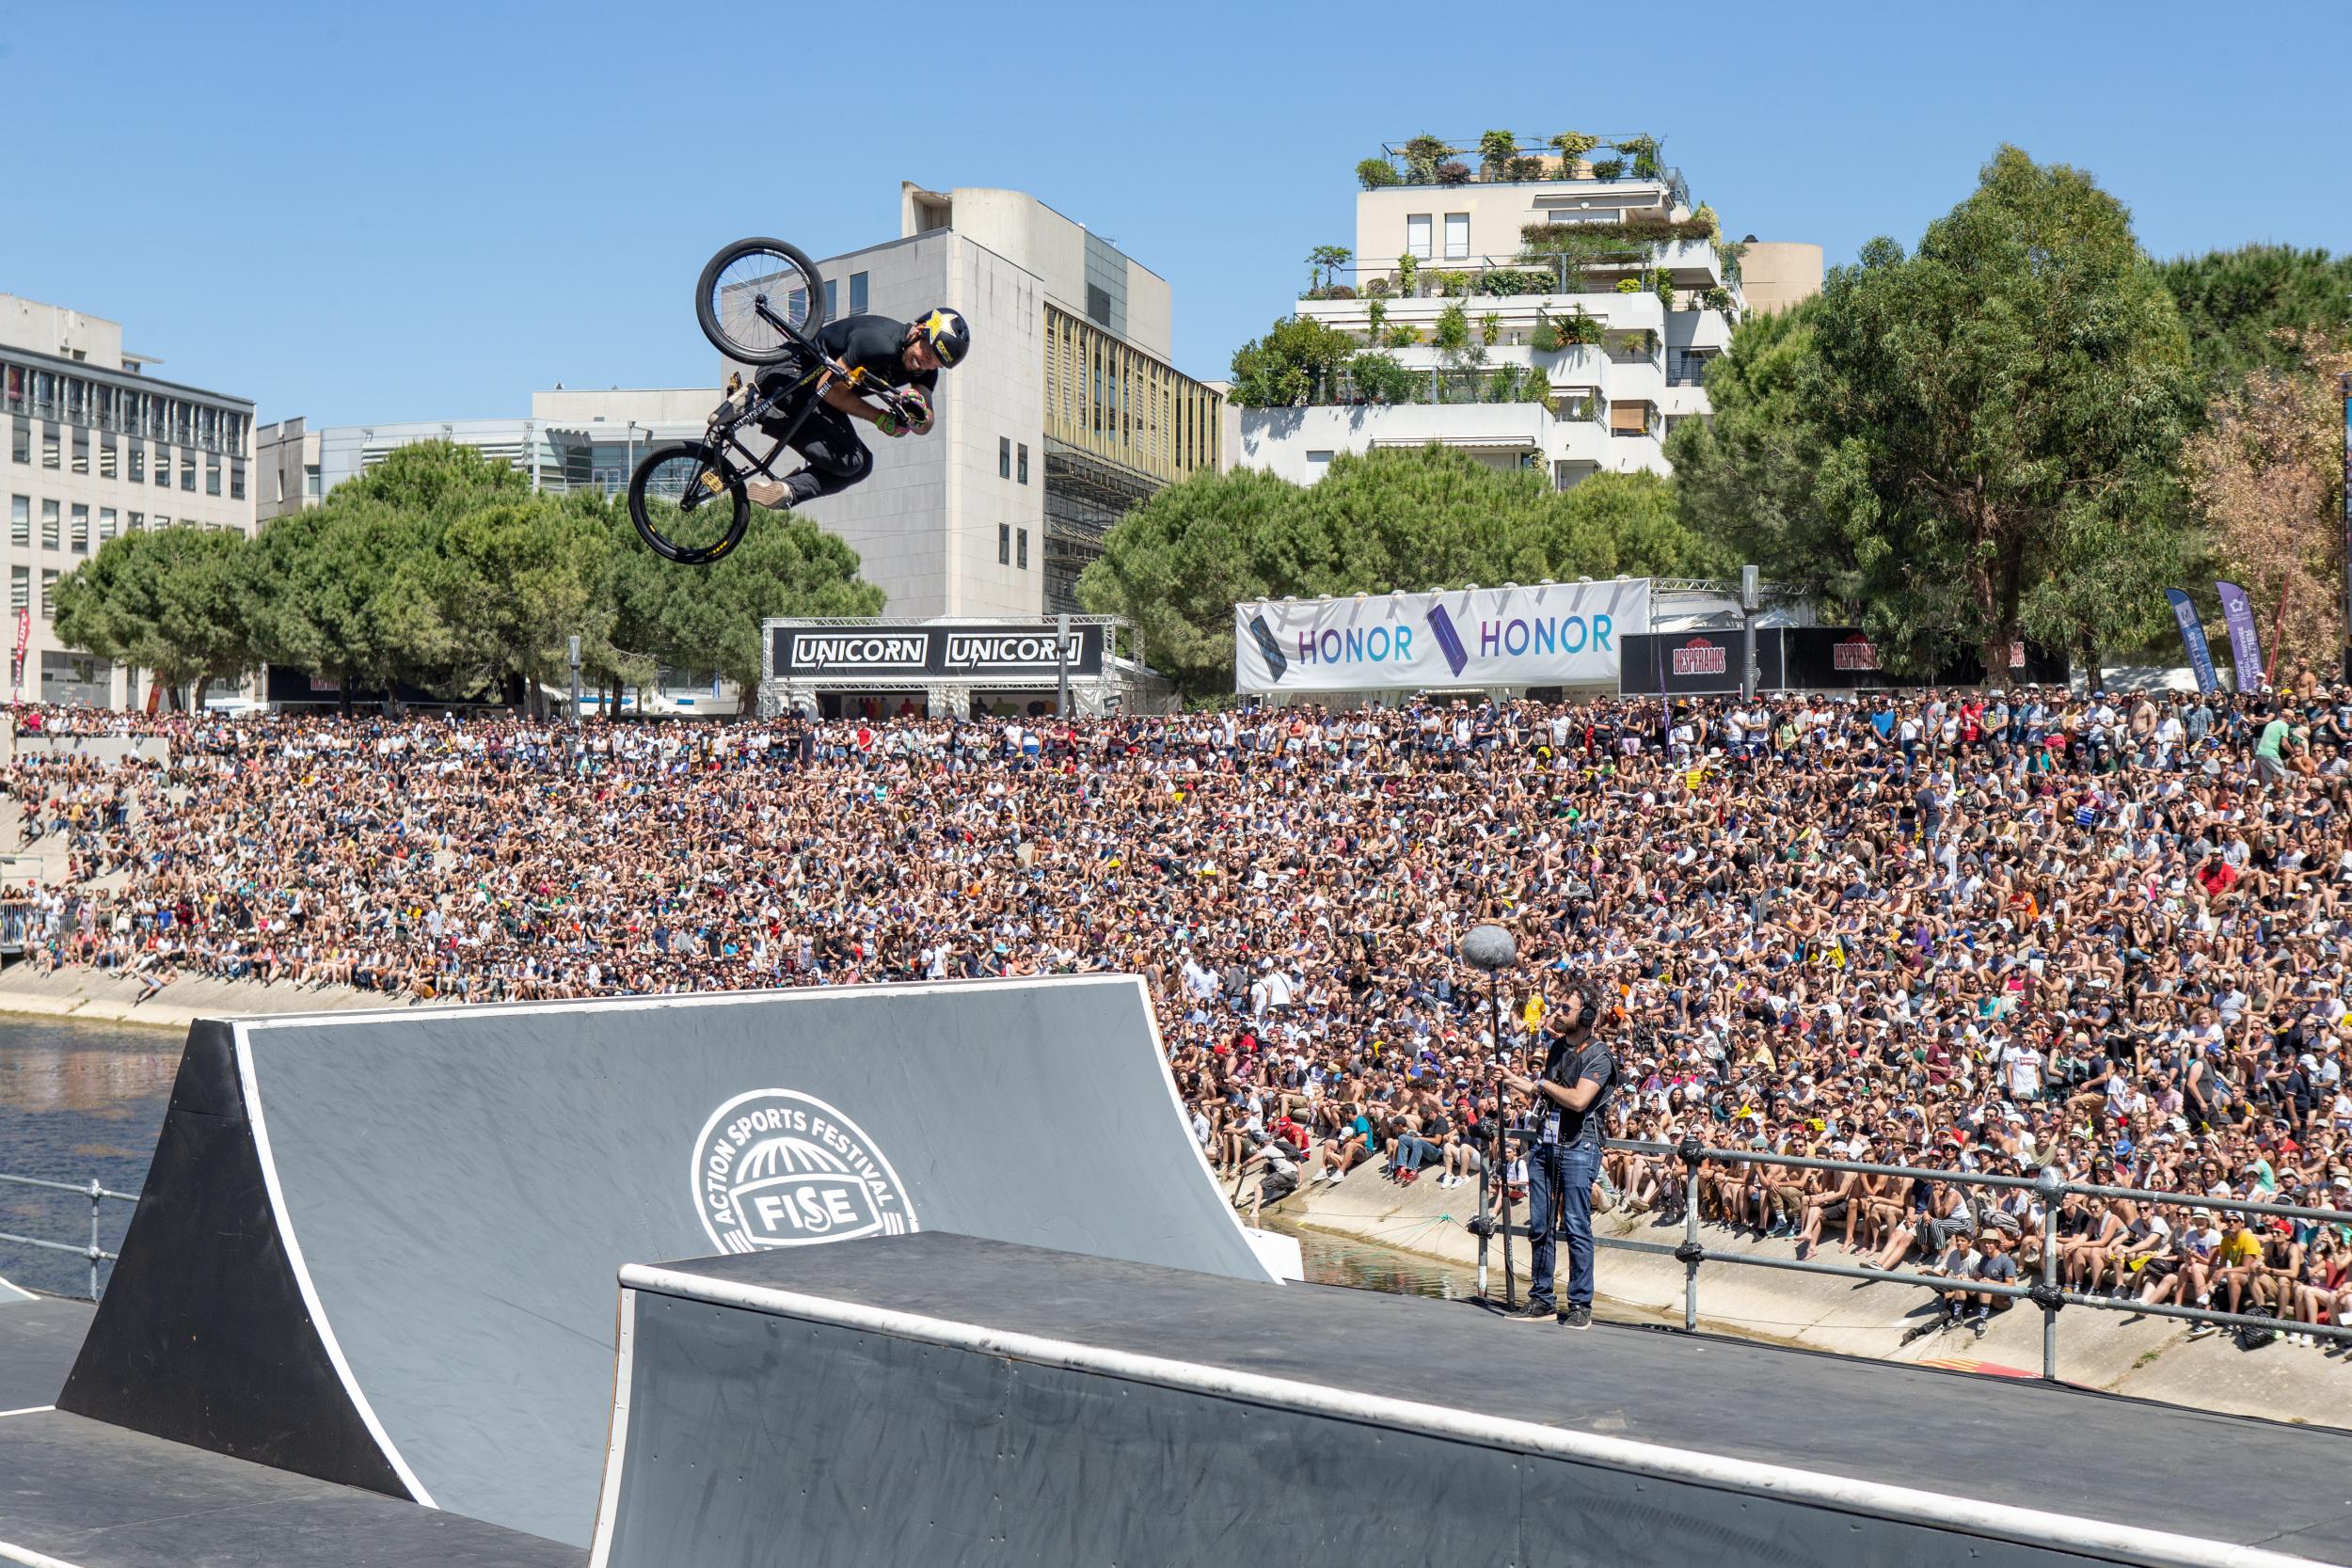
column 1834, row 1211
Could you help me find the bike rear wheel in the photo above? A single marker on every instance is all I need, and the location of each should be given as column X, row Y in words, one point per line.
column 750, row 277
column 688, row 504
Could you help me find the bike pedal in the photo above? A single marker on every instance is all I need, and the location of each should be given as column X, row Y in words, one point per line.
column 713, row 484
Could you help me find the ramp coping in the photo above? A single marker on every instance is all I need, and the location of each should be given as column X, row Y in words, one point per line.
column 2116, row 1542
column 250, row 1085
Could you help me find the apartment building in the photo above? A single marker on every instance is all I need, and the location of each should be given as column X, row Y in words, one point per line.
column 98, row 447
column 1583, row 297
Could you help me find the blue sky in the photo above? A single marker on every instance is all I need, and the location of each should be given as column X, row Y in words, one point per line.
column 426, row 211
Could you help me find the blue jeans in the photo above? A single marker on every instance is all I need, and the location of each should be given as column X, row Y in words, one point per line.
column 1560, row 1198
column 1411, row 1151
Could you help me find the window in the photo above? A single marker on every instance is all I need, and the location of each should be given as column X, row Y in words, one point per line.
column 138, row 460
column 310, row 480
column 21, row 521
column 48, row 594
column 1022, row 468
column 163, row 467
column 105, row 524
column 138, row 522
column 13, row 379
column 1318, row 457
column 49, row 446
column 20, row 588
column 857, row 293
column 833, row 300
column 1456, row 236
column 236, row 479
column 188, row 471
column 1004, row 544
column 1417, row 235
column 1023, row 562
column 211, row 473
column 107, row 466
column 81, row 451
column 1004, row 457
column 81, row 528
column 162, row 521
column 21, row 440
column 49, row 525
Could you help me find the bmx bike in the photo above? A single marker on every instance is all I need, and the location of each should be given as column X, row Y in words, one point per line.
column 759, row 302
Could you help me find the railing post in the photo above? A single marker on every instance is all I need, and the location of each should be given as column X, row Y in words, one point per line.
column 1689, row 1252
column 2046, row 1294
column 96, row 1192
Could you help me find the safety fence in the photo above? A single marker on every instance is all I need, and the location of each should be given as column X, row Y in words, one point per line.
column 2045, row 1291
column 98, row 1194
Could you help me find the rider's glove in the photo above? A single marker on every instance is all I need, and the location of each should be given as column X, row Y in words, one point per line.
column 918, row 412
column 890, row 423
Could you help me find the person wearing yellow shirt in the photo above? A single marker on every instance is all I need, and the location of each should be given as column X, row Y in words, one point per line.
column 2236, row 1262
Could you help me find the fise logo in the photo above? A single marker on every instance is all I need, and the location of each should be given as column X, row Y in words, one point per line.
column 776, row 1168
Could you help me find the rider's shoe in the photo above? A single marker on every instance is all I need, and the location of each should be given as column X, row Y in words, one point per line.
column 773, row 494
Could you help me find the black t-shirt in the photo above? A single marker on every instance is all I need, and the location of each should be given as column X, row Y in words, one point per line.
column 1568, row 1064
column 876, row 345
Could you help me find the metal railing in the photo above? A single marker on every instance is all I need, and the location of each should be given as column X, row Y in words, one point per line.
column 2044, row 1293
column 98, row 1194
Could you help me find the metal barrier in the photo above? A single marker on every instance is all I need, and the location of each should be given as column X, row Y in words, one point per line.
column 2043, row 1292
column 97, row 1193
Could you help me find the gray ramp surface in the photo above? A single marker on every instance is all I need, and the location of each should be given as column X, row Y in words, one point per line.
column 784, row 1434
column 38, row 1338
column 94, row 1496
column 463, row 1185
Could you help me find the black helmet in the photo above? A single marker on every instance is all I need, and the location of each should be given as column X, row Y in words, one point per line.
column 946, row 330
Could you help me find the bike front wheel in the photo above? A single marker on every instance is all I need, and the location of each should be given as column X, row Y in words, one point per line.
column 688, row 504
column 748, row 289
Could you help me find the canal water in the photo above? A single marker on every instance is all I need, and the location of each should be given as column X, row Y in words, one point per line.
column 83, row 1101
column 77, row 1101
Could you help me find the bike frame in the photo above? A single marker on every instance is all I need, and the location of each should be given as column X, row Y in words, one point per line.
column 828, row 372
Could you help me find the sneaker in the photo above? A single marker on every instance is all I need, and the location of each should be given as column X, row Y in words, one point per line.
column 1530, row 1312
column 1577, row 1317
column 773, row 494
column 1979, row 1324
column 2200, row 1330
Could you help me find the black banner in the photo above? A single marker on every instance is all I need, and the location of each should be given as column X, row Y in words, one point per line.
column 1694, row 663
column 979, row 653
column 1799, row 658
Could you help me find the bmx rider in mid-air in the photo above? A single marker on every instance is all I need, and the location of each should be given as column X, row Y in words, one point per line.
column 895, row 353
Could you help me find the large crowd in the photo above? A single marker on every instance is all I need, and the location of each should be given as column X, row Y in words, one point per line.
column 1983, row 932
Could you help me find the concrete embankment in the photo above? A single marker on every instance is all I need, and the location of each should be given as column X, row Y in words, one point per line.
column 105, row 996
column 2150, row 1358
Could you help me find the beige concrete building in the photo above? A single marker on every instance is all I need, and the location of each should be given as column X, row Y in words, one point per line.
column 1067, row 414
column 1777, row 274
column 98, row 447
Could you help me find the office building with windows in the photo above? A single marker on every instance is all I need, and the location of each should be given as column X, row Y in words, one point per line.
column 99, row 447
column 1067, row 414
column 1545, row 313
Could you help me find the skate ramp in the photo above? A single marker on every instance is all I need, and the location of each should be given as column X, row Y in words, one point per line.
column 379, row 1249
column 935, row 1399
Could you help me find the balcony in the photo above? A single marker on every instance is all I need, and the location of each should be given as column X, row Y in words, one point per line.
column 1690, row 266
column 1626, row 162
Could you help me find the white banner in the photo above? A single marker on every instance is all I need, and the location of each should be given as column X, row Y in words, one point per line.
column 1561, row 634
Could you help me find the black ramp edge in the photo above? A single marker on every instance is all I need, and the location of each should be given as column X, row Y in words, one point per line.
column 204, row 1337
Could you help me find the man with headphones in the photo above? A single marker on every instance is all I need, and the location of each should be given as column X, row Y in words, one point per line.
column 1564, row 1156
